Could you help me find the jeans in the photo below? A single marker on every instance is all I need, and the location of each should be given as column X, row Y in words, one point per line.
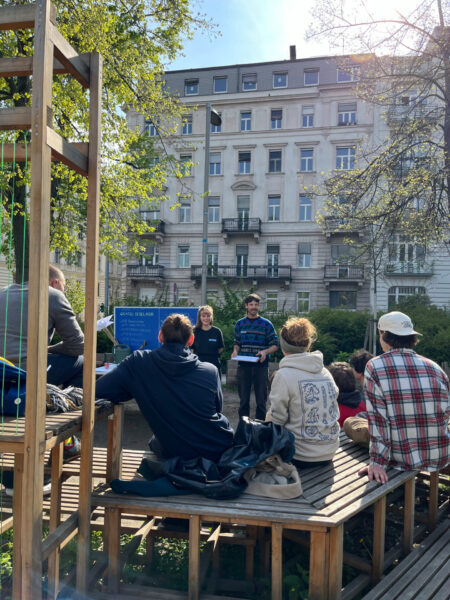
column 65, row 370
column 258, row 376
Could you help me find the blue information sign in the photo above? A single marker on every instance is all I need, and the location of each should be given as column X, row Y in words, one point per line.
column 135, row 326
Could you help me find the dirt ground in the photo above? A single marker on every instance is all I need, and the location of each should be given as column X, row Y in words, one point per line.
column 136, row 432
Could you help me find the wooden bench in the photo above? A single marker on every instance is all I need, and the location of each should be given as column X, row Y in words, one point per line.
column 332, row 496
column 423, row 575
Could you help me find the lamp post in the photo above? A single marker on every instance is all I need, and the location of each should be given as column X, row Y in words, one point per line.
column 212, row 118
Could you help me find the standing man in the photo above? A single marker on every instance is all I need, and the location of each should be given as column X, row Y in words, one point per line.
column 253, row 336
column 407, row 400
column 65, row 359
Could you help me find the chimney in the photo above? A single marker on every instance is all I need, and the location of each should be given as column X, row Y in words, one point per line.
column 292, row 53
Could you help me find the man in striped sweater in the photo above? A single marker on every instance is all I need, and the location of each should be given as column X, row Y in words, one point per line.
column 254, row 336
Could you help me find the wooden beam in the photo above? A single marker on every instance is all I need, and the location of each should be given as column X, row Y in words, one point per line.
column 15, row 118
column 277, row 562
column 59, row 535
column 335, row 562
column 115, row 431
column 65, row 152
column 76, row 64
column 194, row 557
column 379, row 528
column 408, row 517
column 17, row 17
column 55, row 519
column 90, row 332
column 31, row 531
column 318, row 584
column 22, row 66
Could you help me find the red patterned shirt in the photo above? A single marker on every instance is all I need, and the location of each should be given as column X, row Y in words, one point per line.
column 408, row 408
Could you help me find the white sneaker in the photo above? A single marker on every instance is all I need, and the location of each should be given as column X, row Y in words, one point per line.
column 46, row 490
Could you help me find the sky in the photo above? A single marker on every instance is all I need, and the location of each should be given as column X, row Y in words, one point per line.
column 263, row 30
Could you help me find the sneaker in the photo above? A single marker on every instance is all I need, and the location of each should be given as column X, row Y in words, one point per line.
column 46, row 490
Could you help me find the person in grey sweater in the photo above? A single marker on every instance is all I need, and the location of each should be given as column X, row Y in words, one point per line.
column 65, row 358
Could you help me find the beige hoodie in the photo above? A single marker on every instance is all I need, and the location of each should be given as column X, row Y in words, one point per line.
column 303, row 399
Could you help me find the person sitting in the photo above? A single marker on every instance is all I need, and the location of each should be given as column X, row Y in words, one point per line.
column 358, row 361
column 179, row 396
column 407, row 402
column 350, row 399
column 303, row 396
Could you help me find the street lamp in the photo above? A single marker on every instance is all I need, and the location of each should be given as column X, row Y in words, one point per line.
column 212, row 118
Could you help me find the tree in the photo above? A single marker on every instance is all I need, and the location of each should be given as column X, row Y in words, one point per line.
column 136, row 39
column 402, row 178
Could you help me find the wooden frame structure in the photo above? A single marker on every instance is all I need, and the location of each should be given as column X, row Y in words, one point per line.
column 52, row 54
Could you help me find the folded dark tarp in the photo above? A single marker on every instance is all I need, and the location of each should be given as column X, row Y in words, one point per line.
column 254, row 441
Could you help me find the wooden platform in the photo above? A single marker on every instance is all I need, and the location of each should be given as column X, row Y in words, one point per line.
column 332, row 495
column 422, row 575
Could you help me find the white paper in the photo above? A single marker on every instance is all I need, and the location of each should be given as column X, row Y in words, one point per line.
column 246, row 358
column 104, row 322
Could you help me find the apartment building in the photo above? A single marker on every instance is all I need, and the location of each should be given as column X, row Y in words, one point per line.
column 286, row 126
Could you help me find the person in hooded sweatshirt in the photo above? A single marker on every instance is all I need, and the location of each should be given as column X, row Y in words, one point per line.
column 303, row 396
column 350, row 399
column 179, row 396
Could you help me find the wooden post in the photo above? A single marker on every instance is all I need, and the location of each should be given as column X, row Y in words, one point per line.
column 379, row 526
column 112, row 524
column 55, row 519
column 335, row 561
column 433, row 503
column 114, row 444
column 408, row 517
column 194, row 557
column 90, row 332
column 17, row 523
column 277, row 561
column 318, row 583
column 31, row 538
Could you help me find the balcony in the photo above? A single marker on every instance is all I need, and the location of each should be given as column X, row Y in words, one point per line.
column 410, row 269
column 159, row 227
column 350, row 273
column 145, row 272
column 399, row 114
column 336, row 225
column 250, row 272
column 242, row 227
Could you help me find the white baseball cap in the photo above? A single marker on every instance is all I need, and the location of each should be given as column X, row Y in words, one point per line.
column 397, row 323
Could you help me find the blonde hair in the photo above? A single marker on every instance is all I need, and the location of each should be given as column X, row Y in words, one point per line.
column 205, row 308
column 298, row 331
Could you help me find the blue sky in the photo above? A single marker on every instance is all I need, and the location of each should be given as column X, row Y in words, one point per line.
column 263, row 30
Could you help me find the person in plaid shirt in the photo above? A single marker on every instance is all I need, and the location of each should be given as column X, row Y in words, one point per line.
column 407, row 400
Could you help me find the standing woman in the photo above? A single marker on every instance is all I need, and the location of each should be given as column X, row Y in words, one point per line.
column 208, row 340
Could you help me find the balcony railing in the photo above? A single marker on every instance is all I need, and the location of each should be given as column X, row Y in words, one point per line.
column 241, row 226
column 243, row 272
column 145, row 271
column 159, row 226
column 403, row 113
column 339, row 225
column 411, row 268
column 347, row 272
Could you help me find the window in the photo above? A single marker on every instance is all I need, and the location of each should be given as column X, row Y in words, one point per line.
column 244, row 163
column 183, row 257
column 273, row 254
column 150, row 128
column 243, row 211
column 183, row 298
column 241, row 261
column 246, row 121
column 274, row 161
column 398, row 293
column 405, row 255
column 273, row 212
column 347, row 114
column 342, row 254
column 186, row 164
column 149, row 215
column 184, row 213
column 214, row 163
column 276, row 116
column 213, row 209
column 306, row 160
column 220, row 85
column 345, row 158
column 311, row 77
column 304, row 255
column 303, row 302
column 187, row 125
column 57, row 256
column 191, row 87
column 350, row 73
column 280, row 80
column 151, row 256
column 216, row 128
column 308, row 116
column 305, row 208
column 249, row 82
column 342, row 299
column 212, row 259
column 74, row 258
column 271, row 301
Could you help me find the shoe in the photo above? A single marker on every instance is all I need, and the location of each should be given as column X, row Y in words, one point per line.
column 46, row 490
